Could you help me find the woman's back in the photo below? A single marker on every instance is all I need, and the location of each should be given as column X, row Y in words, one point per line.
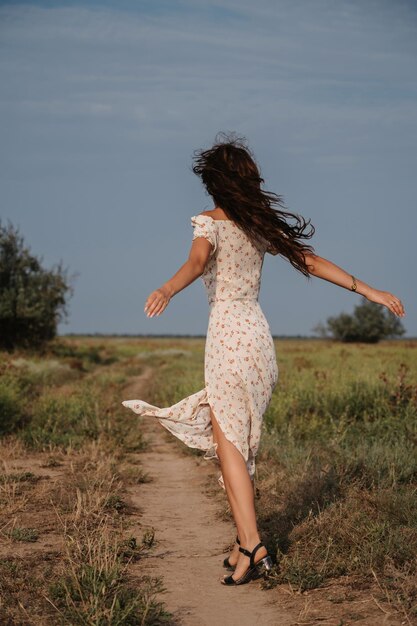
column 234, row 268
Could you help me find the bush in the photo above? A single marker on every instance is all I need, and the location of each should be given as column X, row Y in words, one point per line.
column 369, row 323
column 32, row 299
column 12, row 410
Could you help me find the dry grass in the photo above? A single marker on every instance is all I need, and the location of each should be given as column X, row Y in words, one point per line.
column 68, row 533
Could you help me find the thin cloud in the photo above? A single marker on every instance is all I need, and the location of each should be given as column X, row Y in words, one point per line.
column 90, row 92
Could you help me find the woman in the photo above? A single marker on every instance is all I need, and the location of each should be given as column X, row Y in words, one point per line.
column 241, row 371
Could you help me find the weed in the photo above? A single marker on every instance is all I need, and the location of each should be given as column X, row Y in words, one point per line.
column 19, row 477
column 115, row 502
column 24, row 534
column 52, row 462
column 131, row 550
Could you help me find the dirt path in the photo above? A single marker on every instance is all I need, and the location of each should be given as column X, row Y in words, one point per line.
column 191, row 539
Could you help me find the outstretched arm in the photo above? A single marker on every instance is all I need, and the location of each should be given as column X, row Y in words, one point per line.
column 322, row 268
column 158, row 300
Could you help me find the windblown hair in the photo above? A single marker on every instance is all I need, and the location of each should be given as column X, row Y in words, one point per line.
column 232, row 178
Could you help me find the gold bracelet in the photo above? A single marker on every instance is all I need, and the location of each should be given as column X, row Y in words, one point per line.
column 353, row 287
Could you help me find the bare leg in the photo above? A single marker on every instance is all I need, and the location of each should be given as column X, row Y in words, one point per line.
column 234, row 554
column 240, row 493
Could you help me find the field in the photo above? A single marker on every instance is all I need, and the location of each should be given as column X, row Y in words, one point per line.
column 336, row 474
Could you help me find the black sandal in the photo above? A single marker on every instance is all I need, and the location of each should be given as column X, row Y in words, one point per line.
column 254, row 571
column 226, row 563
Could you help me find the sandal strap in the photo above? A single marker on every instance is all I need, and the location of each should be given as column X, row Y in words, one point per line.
column 251, row 555
column 244, row 551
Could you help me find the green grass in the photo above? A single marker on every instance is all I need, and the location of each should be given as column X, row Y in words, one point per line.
column 339, row 466
column 24, row 534
column 12, row 405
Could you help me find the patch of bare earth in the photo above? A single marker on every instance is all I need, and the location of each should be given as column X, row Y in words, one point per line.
column 30, row 541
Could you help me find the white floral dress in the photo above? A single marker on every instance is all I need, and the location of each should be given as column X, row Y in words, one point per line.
column 240, row 366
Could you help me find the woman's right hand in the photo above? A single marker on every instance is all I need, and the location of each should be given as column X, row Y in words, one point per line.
column 386, row 298
column 157, row 301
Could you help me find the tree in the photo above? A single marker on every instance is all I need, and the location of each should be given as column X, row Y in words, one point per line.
column 369, row 323
column 32, row 299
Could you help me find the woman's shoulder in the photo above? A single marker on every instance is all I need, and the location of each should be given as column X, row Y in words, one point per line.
column 209, row 214
column 205, row 215
column 217, row 215
column 205, row 219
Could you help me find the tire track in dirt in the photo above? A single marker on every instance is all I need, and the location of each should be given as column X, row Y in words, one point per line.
column 190, row 538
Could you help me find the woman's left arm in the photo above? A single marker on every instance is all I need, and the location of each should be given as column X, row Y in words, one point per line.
column 322, row 268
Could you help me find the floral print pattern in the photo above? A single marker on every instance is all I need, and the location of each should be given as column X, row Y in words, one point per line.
column 240, row 366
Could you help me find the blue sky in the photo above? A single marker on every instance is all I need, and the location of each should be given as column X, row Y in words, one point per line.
column 103, row 103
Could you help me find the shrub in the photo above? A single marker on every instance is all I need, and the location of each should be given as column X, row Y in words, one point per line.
column 369, row 323
column 12, row 410
column 32, row 299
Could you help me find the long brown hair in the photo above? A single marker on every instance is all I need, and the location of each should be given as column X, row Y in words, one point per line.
column 232, row 178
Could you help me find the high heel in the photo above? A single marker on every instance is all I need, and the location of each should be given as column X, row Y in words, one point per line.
column 226, row 562
column 254, row 571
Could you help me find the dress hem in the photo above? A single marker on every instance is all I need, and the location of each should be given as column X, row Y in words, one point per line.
column 167, row 415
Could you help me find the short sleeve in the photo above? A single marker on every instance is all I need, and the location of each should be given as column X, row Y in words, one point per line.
column 205, row 226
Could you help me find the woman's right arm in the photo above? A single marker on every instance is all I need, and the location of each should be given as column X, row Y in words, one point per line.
column 325, row 269
column 194, row 267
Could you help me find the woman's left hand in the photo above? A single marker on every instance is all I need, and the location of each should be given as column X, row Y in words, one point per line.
column 386, row 298
column 157, row 302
